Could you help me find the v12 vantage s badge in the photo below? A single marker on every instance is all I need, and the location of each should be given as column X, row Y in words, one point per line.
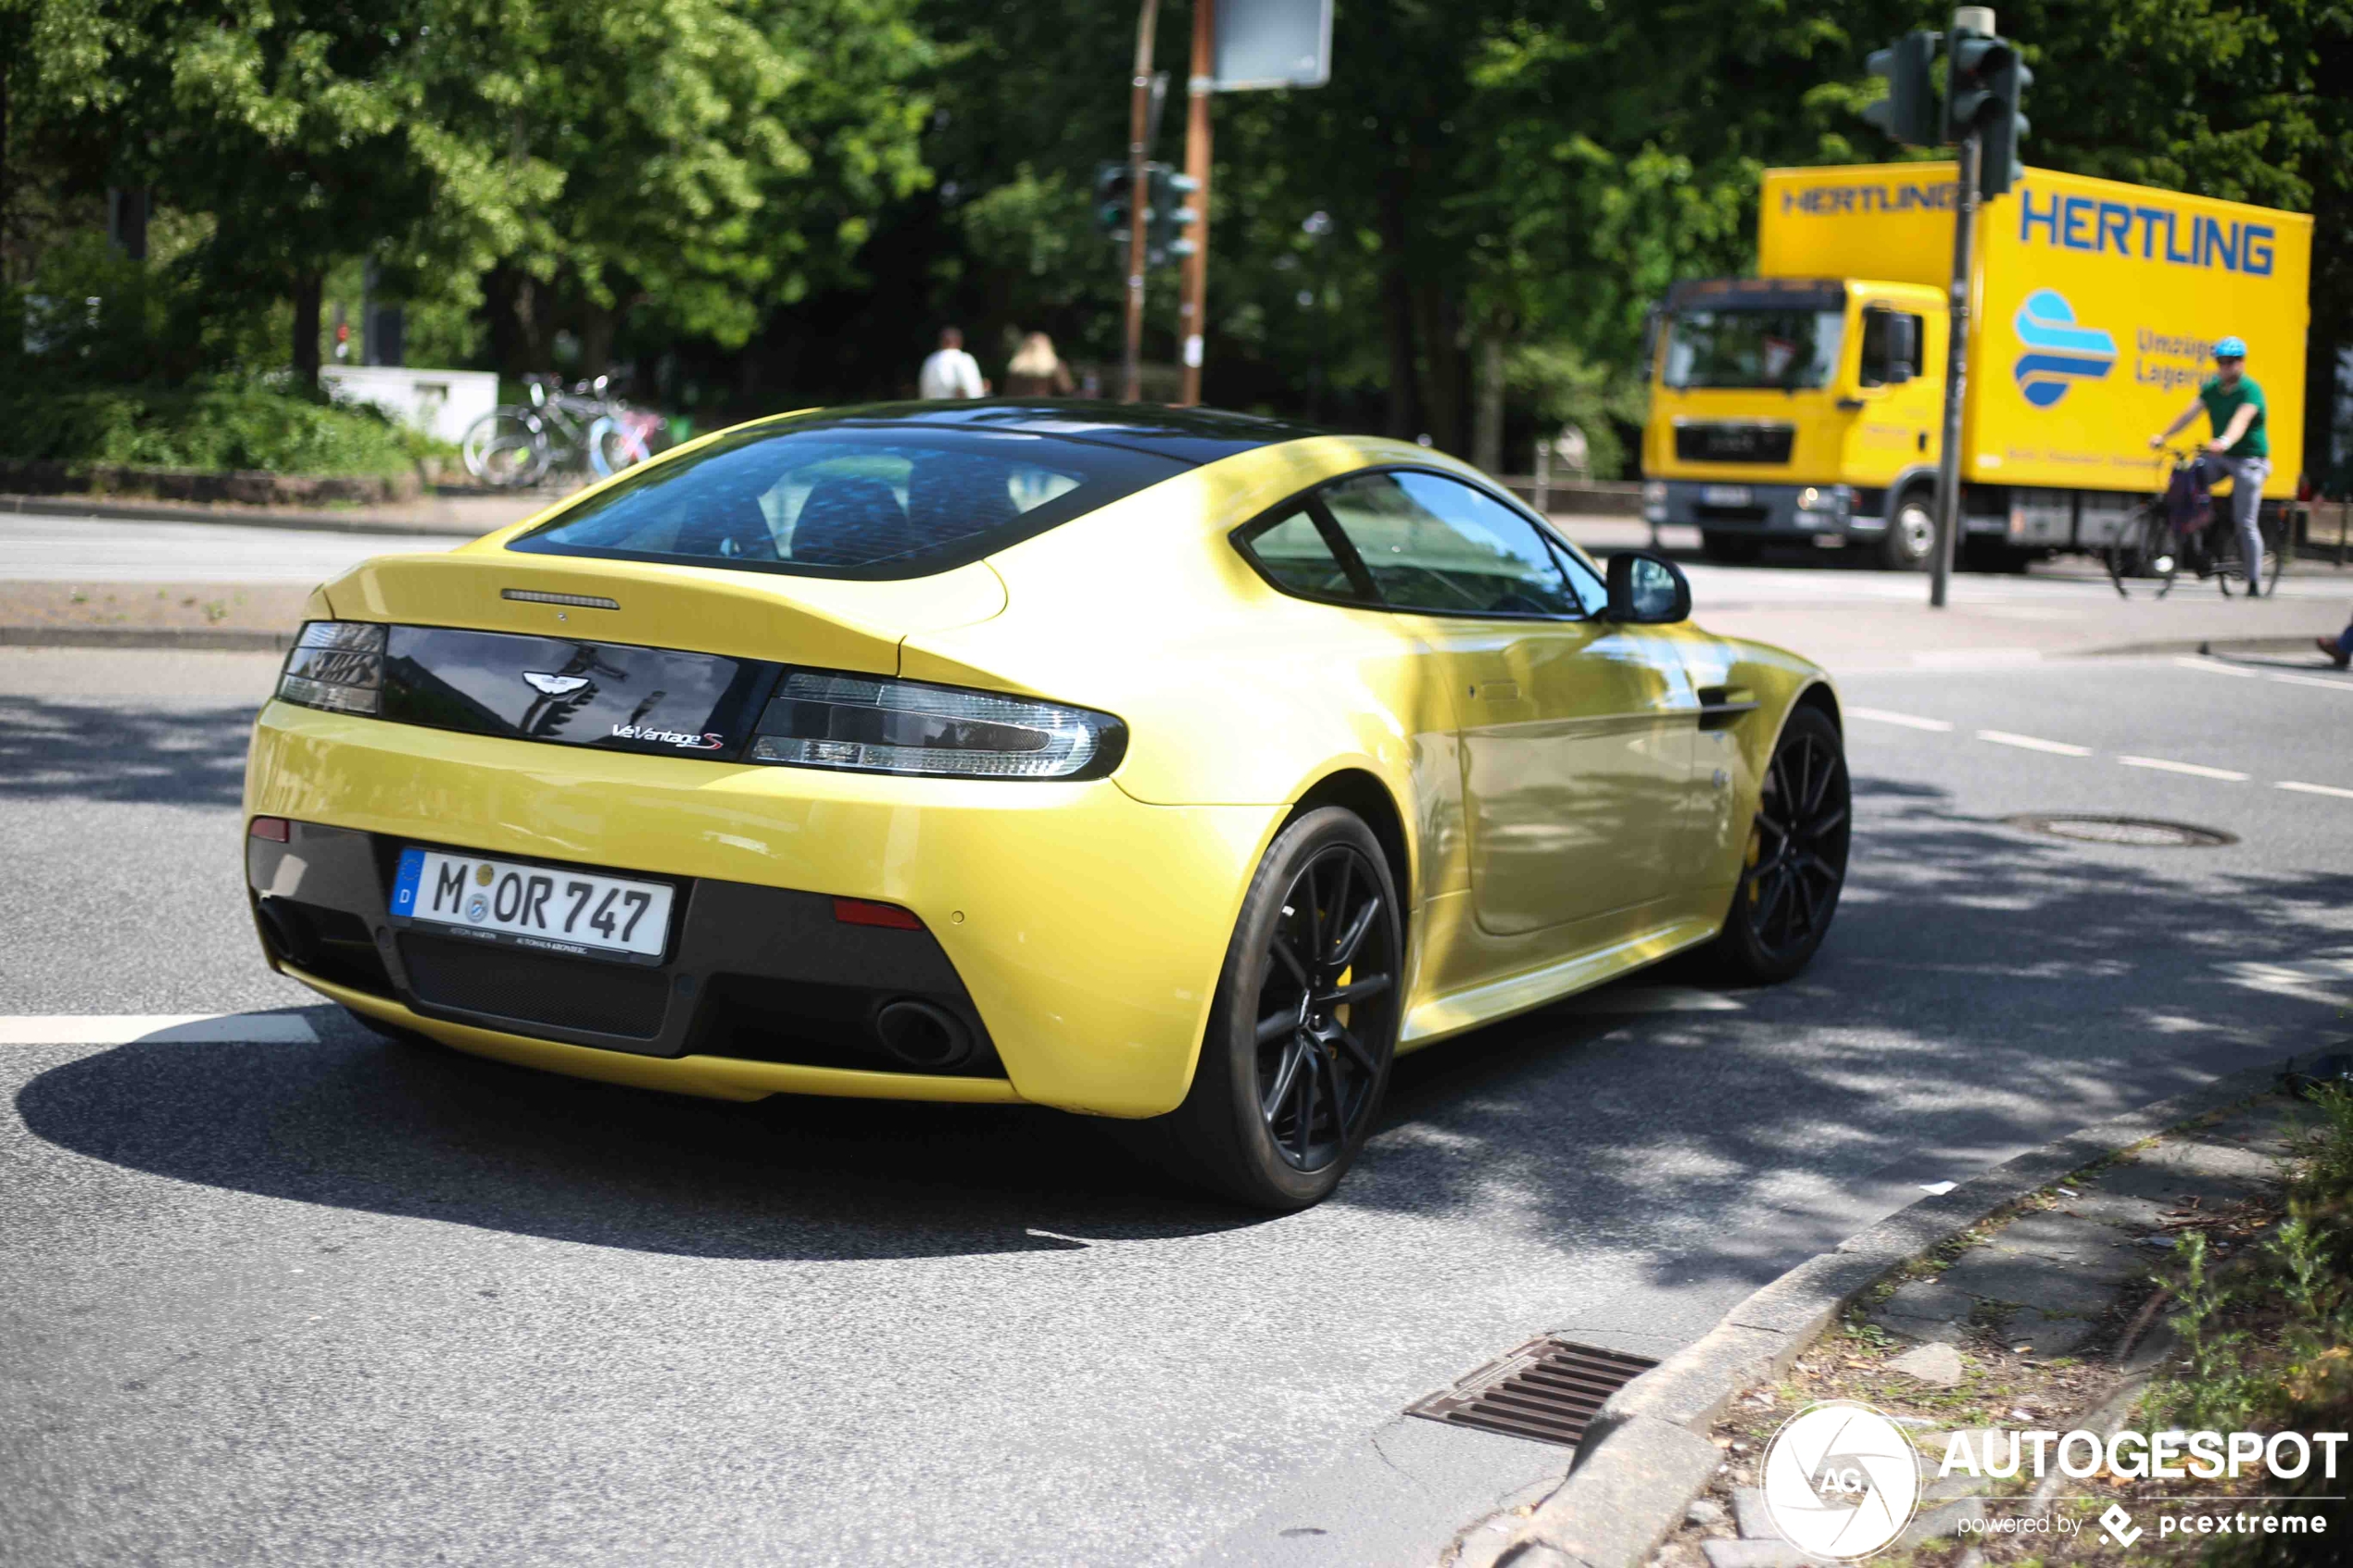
column 704, row 742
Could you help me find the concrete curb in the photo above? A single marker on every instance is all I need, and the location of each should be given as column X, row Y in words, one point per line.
column 2214, row 646
column 1647, row 1454
column 244, row 517
column 183, row 638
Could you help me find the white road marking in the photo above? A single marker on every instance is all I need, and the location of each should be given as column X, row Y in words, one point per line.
column 121, row 1029
column 2192, row 769
column 1909, row 720
column 2029, row 743
column 2302, row 788
column 2320, row 680
column 2210, row 667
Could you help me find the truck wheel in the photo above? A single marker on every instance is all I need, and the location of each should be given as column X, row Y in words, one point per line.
column 1731, row 549
column 1911, row 533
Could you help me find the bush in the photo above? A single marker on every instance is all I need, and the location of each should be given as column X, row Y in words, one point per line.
column 219, row 424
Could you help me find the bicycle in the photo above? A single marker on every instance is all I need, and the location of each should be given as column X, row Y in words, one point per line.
column 515, row 446
column 2149, row 545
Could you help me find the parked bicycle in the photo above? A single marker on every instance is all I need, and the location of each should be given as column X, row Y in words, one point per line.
column 515, row 446
column 2180, row 529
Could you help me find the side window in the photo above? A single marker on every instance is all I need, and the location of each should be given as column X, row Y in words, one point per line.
column 1588, row 582
column 1292, row 551
column 1434, row 543
column 1891, row 347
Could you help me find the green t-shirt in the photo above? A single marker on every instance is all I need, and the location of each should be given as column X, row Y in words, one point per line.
column 2222, row 405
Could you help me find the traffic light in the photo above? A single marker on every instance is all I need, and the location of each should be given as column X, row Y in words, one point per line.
column 1988, row 79
column 2006, row 78
column 1171, row 214
column 1908, row 112
column 1114, row 209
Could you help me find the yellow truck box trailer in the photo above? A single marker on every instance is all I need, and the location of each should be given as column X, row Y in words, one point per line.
column 1807, row 402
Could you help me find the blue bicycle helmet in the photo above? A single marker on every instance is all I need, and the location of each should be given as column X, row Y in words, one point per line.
column 2231, row 348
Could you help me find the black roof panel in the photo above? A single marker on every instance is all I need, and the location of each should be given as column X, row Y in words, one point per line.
column 1191, row 436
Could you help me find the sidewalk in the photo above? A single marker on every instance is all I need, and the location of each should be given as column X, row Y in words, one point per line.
column 2035, row 1296
column 450, row 509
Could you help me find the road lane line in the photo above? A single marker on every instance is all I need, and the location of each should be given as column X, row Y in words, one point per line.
column 1909, row 720
column 2320, row 680
column 2192, row 769
column 2302, row 788
column 2210, row 667
column 2030, row 743
column 121, row 1029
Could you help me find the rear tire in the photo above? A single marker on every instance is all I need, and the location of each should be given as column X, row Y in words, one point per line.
column 1795, row 863
column 1303, row 1027
column 1910, row 539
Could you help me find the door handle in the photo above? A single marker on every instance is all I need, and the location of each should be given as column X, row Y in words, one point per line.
column 1850, row 405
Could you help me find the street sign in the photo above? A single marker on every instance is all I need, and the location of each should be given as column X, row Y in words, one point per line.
column 1273, row 43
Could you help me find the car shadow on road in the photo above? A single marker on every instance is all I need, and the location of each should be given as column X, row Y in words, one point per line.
column 1983, row 992
column 413, row 1129
column 181, row 755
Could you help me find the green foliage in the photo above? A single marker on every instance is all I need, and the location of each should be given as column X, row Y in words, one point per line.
column 213, row 424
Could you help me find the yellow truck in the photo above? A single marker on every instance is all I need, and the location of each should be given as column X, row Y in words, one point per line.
column 1806, row 401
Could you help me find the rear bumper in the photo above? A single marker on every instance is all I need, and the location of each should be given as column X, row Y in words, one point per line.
column 1078, row 930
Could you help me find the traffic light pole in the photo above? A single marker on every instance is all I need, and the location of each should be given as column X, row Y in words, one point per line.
column 1192, row 315
column 1948, row 464
column 1138, row 133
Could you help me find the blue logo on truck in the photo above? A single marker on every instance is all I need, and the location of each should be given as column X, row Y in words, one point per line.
column 2058, row 352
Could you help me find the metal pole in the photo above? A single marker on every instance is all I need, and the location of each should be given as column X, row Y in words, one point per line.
column 1192, row 315
column 1948, row 463
column 1139, row 109
column 1543, row 476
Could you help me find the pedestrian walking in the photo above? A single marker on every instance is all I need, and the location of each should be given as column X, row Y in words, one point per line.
column 950, row 372
column 1036, row 370
column 2339, row 648
column 2241, row 449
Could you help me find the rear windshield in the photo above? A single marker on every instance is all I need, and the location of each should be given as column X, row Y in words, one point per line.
column 845, row 500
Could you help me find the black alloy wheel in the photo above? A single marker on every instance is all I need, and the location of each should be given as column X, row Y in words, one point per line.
column 1304, row 1026
column 1795, row 862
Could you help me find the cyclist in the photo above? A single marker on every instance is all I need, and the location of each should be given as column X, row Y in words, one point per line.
column 2241, row 449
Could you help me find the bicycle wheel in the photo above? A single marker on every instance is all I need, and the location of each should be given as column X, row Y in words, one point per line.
column 507, row 447
column 2142, row 549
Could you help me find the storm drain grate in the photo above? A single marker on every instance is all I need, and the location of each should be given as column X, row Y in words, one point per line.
column 1547, row 1391
column 2139, row 832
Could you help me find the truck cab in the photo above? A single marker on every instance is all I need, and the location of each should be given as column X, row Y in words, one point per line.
column 1801, row 410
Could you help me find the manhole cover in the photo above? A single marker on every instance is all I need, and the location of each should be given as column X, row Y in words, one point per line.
column 2140, row 832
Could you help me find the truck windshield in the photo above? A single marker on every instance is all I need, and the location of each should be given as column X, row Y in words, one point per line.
column 1786, row 350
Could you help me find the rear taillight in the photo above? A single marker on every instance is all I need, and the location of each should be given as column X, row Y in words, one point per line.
column 338, row 665
column 869, row 725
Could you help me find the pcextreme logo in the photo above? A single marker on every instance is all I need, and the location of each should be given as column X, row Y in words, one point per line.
column 1840, row 1480
column 2058, row 351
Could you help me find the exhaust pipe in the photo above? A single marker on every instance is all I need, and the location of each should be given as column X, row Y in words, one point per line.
column 288, row 932
column 923, row 1035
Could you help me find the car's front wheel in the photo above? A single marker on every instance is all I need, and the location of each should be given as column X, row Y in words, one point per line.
column 1795, row 862
column 1304, row 1025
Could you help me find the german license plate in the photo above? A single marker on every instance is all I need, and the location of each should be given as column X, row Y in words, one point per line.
column 542, row 906
column 1724, row 494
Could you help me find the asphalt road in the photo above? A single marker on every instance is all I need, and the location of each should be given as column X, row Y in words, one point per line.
column 275, row 1291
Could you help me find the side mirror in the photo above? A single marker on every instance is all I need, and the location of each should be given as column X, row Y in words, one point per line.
column 1647, row 590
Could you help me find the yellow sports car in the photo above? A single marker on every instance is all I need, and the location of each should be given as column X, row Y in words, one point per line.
column 1172, row 766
